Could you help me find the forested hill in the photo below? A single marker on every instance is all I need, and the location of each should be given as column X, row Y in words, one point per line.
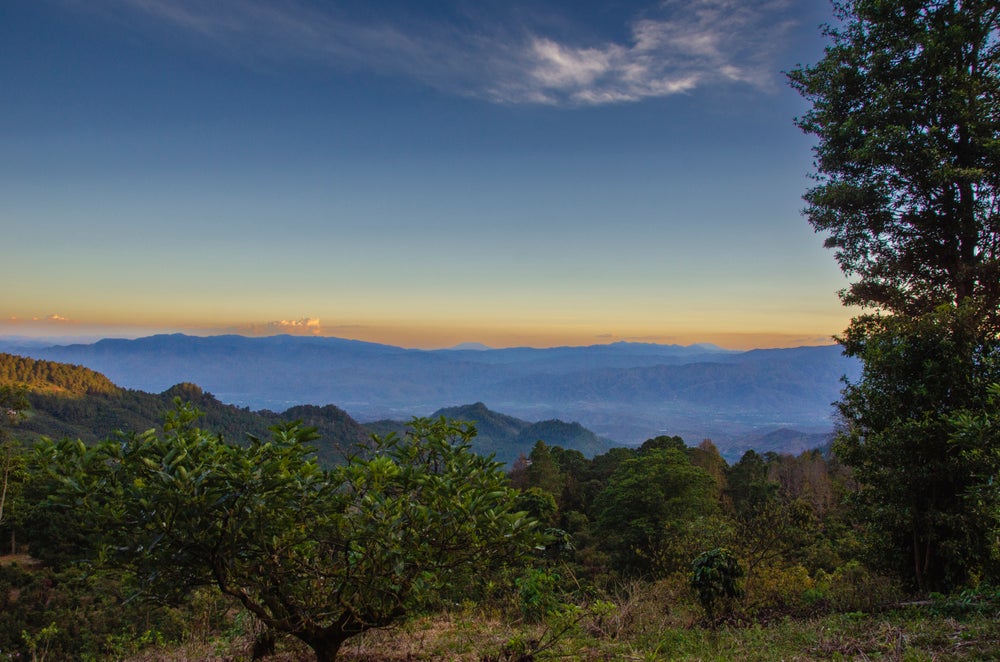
column 507, row 437
column 78, row 403
column 53, row 377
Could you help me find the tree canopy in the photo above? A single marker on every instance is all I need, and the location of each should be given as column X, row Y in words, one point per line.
column 320, row 554
column 906, row 110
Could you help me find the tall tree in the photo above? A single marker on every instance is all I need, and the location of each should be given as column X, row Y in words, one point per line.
column 906, row 107
column 906, row 110
column 648, row 496
column 13, row 407
column 920, row 373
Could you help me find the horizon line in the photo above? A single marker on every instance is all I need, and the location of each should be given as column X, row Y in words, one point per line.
column 716, row 340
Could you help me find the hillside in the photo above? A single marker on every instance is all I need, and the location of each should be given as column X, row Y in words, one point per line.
column 507, row 437
column 79, row 403
column 53, row 377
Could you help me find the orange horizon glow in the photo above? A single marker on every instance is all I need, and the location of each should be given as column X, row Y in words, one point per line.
column 426, row 335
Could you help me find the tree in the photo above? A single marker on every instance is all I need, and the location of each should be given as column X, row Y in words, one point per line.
column 322, row 555
column 906, row 110
column 919, row 375
column 543, row 472
column 977, row 437
column 647, row 496
column 13, row 405
column 748, row 487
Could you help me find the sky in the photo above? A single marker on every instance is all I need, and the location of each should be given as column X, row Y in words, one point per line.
column 416, row 173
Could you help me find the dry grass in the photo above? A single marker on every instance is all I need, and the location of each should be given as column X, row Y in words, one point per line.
column 23, row 560
column 649, row 624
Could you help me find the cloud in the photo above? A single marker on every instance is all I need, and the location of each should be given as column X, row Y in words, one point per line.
column 672, row 47
column 307, row 326
column 38, row 321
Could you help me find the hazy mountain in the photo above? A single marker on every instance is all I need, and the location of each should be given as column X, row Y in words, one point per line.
column 627, row 392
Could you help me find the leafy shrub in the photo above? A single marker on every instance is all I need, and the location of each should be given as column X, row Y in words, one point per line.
column 714, row 577
column 89, row 612
column 538, row 589
column 983, row 599
column 853, row 587
column 780, row 588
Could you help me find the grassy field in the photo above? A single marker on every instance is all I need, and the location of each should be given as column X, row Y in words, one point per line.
column 643, row 629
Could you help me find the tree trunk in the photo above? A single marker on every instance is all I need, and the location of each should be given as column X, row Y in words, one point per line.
column 917, row 565
column 326, row 647
column 326, row 653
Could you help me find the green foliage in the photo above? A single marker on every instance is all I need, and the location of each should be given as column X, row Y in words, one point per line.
column 13, row 409
column 320, row 554
column 93, row 614
column 906, row 109
column 13, row 475
column 539, row 592
column 921, row 377
column 38, row 644
column 976, row 438
column 647, row 494
column 715, row 576
column 685, row 539
column 852, row 588
column 13, row 406
column 537, row 503
column 748, row 485
column 52, row 376
column 983, row 599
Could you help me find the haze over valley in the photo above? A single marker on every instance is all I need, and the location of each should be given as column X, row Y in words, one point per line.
column 776, row 399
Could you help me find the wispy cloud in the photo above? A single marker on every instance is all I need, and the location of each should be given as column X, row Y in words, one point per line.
column 672, row 47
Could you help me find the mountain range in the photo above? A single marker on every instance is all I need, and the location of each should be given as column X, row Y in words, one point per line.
column 70, row 401
column 625, row 392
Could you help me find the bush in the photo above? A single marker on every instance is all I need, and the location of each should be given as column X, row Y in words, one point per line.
column 89, row 612
column 714, row 577
column 777, row 588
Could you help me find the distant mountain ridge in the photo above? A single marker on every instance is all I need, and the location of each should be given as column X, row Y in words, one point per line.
column 627, row 392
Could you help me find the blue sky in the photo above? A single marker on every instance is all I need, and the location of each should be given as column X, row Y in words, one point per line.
column 424, row 174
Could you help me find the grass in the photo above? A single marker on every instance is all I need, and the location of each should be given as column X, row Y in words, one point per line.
column 644, row 622
column 906, row 635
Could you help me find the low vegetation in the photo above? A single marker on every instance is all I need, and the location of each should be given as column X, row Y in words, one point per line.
column 176, row 544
